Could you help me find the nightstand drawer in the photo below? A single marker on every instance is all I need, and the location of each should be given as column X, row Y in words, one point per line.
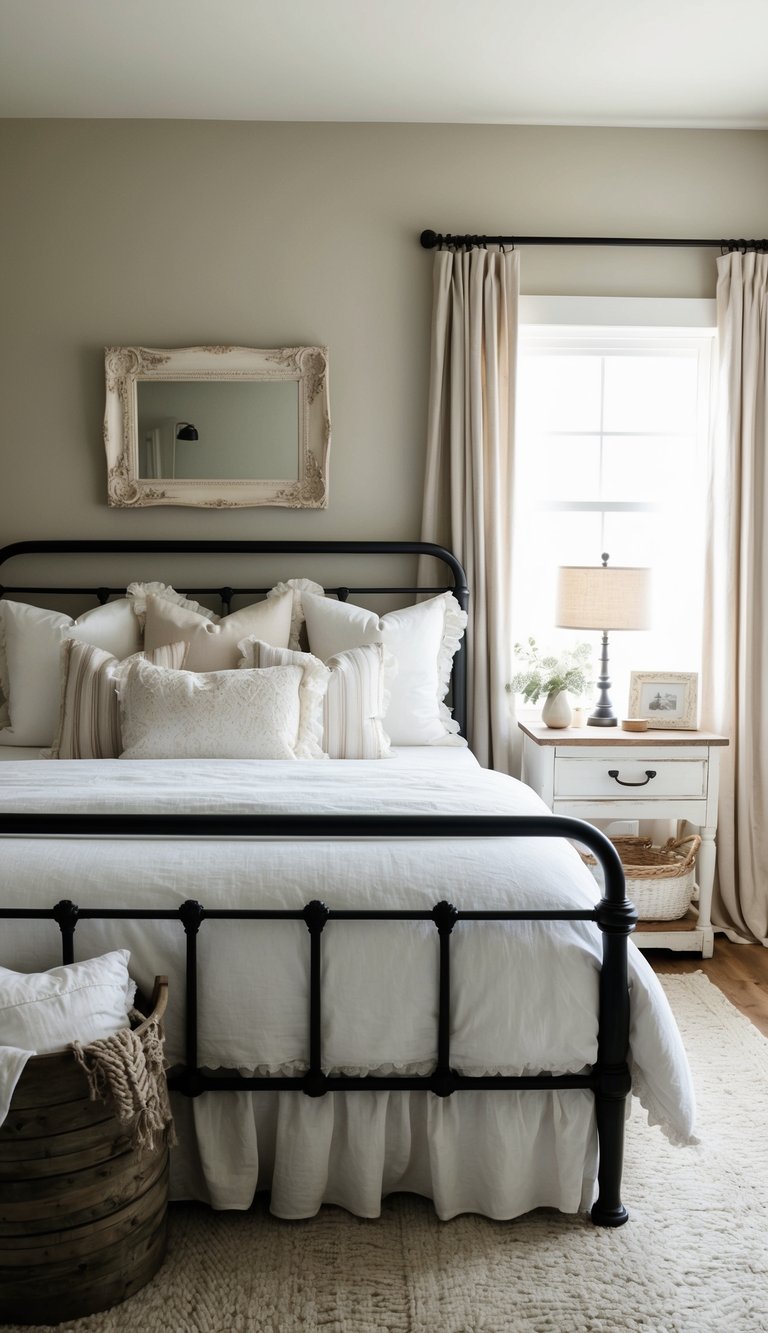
column 585, row 777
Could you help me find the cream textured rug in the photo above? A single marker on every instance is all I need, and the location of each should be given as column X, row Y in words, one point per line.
column 692, row 1259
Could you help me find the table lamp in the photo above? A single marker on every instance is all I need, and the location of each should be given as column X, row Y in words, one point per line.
column 596, row 597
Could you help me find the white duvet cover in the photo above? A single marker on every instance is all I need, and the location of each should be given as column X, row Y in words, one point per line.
column 524, row 995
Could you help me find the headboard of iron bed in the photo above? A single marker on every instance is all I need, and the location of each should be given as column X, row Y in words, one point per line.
column 456, row 582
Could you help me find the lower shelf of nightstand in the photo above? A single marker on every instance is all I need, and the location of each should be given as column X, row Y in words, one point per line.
column 683, row 934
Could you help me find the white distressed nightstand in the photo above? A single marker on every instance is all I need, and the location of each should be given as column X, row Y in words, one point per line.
column 582, row 772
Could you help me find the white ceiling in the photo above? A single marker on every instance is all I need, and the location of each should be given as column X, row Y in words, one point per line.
column 687, row 63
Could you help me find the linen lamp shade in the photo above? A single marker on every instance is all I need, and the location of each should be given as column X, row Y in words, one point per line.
column 596, row 597
column 599, row 597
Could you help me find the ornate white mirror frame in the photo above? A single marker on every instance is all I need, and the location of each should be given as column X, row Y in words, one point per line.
column 127, row 367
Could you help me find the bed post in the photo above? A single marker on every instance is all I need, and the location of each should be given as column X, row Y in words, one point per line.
column 616, row 917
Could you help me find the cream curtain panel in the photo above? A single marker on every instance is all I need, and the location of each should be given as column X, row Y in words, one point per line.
column 469, row 473
column 735, row 676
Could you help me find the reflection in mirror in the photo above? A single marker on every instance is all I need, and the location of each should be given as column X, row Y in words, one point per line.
column 247, row 430
column 217, row 426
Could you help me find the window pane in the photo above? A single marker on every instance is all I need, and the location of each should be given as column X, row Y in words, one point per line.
column 645, row 467
column 650, row 393
column 630, row 539
column 559, row 393
column 561, row 467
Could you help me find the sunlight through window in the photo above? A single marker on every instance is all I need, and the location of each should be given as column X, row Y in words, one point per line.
column 611, row 438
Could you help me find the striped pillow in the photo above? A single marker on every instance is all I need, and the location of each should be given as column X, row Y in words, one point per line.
column 356, row 699
column 89, row 724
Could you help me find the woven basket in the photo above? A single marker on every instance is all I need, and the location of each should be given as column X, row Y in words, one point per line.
column 660, row 880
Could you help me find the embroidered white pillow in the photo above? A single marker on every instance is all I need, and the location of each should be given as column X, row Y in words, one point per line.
column 45, row 1011
column 271, row 714
column 89, row 726
column 213, row 643
column 30, row 652
column 356, row 699
column 422, row 639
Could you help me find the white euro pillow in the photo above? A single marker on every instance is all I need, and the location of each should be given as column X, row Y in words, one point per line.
column 30, row 653
column 422, row 639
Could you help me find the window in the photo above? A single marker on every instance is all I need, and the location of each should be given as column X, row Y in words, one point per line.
column 612, row 423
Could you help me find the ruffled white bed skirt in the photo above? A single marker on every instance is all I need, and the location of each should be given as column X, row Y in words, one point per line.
column 499, row 1154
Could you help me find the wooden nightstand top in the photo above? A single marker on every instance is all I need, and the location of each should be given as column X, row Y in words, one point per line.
column 584, row 737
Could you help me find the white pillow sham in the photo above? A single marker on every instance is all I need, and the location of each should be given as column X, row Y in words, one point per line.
column 213, row 642
column 89, row 724
column 138, row 592
column 423, row 640
column 271, row 714
column 30, row 651
column 297, row 587
column 45, row 1011
column 355, row 701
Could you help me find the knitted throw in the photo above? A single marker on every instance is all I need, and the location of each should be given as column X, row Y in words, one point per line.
column 128, row 1070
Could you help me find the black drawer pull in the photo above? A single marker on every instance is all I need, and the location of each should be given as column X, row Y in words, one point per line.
column 649, row 773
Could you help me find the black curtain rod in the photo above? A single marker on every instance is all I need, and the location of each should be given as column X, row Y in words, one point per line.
column 432, row 239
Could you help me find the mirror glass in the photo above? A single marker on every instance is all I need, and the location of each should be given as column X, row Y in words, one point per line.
column 217, row 426
column 243, row 429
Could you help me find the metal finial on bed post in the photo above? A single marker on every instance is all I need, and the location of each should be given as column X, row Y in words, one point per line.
column 191, row 914
column 65, row 914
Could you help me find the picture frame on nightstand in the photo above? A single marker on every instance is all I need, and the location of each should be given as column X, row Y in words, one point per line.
column 667, row 699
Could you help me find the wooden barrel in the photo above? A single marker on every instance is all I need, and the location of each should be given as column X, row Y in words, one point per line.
column 82, row 1213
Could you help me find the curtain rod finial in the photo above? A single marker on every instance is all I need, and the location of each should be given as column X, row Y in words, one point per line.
column 429, row 239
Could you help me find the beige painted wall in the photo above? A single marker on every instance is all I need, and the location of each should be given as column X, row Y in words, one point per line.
column 173, row 233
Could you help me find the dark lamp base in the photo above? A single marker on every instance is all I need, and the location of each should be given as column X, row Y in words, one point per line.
column 602, row 722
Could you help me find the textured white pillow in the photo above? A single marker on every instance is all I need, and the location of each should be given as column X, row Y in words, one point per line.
column 271, row 714
column 45, row 1011
column 422, row 639
column 213, row 643
column 89, row 725
column 30, row 651
column 356, row 699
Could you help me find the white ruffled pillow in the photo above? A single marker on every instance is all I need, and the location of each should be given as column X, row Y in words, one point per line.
column 30, row 653
column 212, row 639
column 137, row 594
column 296, row 587
column 423, row 640
column 356, row 699
column 89, row 726
column 271, row 714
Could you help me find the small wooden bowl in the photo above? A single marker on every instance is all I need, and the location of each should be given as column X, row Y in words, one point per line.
column 634, row 724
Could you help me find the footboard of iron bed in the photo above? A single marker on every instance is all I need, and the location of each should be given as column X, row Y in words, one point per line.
column 608, row 1079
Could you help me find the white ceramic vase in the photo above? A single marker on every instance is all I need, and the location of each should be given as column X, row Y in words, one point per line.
column 557, row 709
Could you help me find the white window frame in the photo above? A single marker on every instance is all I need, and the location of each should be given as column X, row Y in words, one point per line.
column 614, row 325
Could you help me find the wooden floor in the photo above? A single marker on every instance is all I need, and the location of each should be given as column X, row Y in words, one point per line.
column 740, row 970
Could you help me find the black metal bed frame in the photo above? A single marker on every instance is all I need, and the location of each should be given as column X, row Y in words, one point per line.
column 608, row 1079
